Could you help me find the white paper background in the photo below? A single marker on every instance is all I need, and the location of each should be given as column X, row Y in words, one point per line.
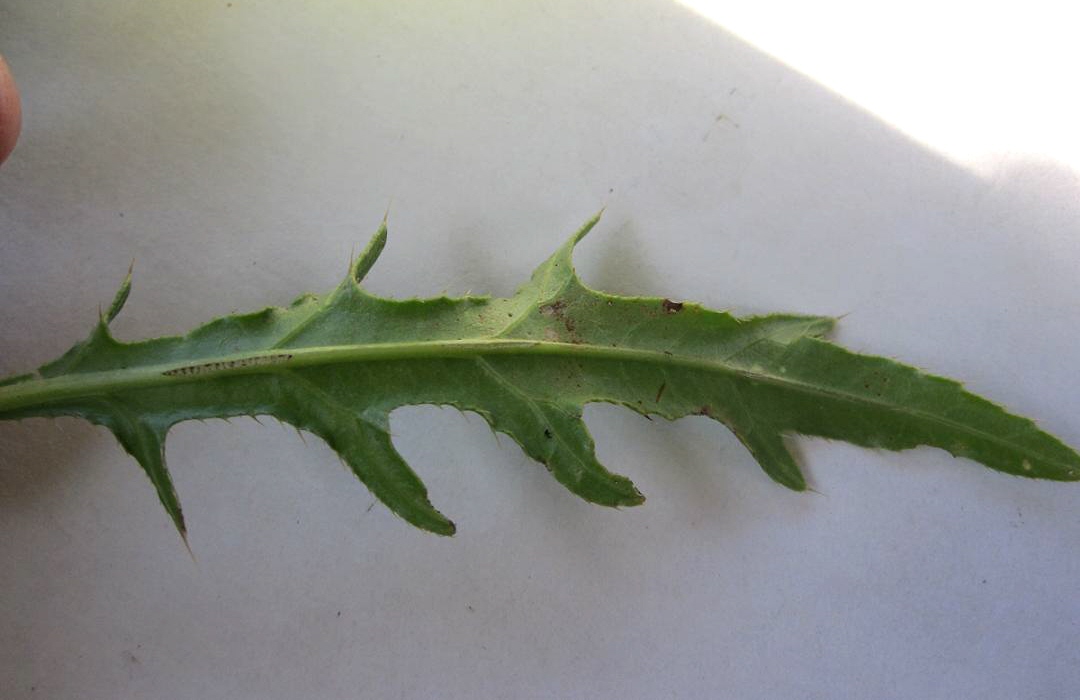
column 239, row 152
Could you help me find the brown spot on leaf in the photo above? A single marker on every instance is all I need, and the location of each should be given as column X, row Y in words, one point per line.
column 671, row 307
column 705, row 410
column 554, row 308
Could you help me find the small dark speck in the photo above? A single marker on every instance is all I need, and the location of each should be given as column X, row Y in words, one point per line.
column 121, row 215
column 469, row 608
column 984, row 580
column 510, row 315
column 547, row 433
column 339, row 613
column 610, row 190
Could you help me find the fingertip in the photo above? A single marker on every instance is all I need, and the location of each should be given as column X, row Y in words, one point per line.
column 10, row 111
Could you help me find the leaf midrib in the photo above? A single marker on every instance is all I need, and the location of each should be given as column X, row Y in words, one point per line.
column 59, row 389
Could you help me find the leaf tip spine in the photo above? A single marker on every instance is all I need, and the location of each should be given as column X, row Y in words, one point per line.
column 187, row 546
column 363, row 264
column 586, row 227
column 120, row 298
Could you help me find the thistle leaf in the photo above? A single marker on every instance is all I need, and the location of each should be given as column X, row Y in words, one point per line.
column 336, row 366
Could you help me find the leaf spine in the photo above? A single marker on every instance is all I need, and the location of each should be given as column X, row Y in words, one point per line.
column 256, row 361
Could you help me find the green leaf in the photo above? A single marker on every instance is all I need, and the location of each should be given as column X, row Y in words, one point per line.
column 336, row 365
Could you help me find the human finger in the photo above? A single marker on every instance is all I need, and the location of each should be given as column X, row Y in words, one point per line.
column 10, row 111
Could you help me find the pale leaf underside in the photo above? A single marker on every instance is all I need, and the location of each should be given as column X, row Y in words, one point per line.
column 336, row 366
